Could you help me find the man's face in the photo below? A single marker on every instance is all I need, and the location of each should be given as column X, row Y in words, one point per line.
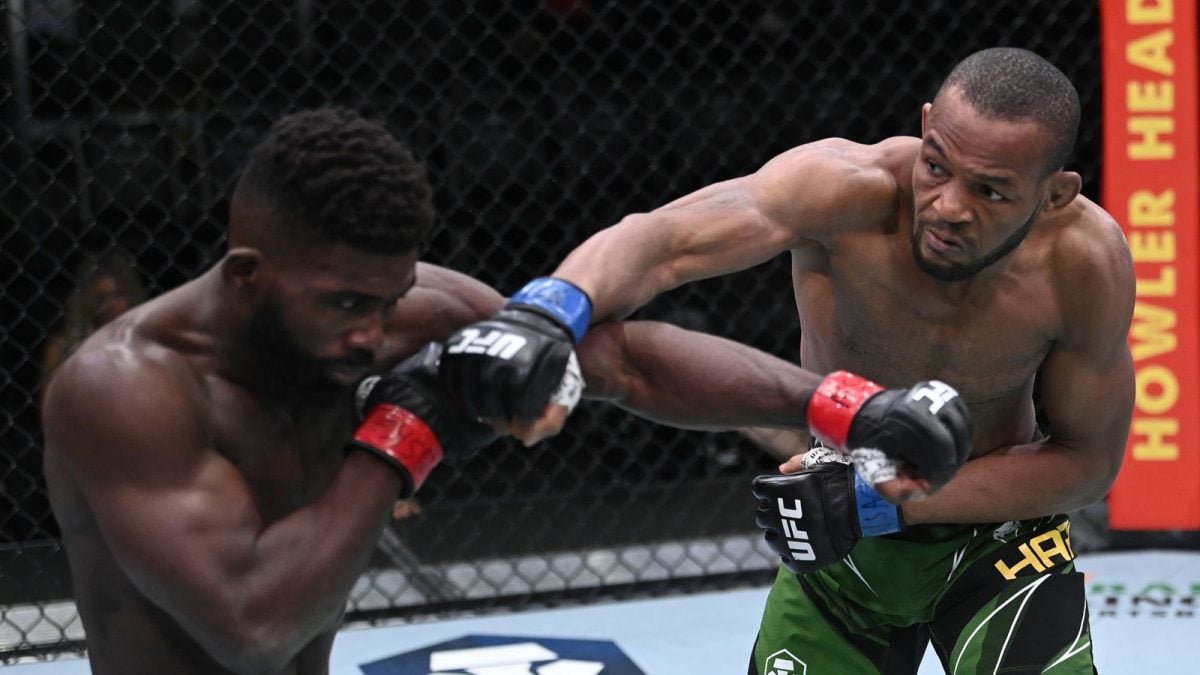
column 323, row 312
column 978, row 187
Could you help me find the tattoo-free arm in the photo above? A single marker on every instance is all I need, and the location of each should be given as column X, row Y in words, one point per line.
column 802, row 194
column 183, row 524
column 692, row 380
column 442, row 301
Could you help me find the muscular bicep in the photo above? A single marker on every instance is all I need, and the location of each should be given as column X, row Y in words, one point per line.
column 1088, row 377
column 808, row 193
column 1088, row 402
column 175, row 514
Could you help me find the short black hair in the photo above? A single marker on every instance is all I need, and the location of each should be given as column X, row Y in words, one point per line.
column 343, row 179
column 1014, row 84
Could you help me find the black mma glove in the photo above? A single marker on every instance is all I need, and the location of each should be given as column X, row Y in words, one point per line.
column 410, row 422
column 510, row 365
column 814, row 517
column 927, row 426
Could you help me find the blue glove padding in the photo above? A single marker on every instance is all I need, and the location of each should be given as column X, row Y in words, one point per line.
column 510, row 365
column 562, row 300
column 876, row 515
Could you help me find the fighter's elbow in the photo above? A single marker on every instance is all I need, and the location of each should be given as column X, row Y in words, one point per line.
column 251, row 661
column 608, row 370
column 250, row 651
column 243, row 640
column 1101, row 470
column 1109, row 469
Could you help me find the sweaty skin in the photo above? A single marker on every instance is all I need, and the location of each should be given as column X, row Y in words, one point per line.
column 215, row 523
column 855, row 218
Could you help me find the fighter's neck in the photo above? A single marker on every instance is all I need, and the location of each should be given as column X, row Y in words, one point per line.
column 222, row 320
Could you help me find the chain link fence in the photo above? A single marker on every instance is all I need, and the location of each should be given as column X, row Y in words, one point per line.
column 541, row 122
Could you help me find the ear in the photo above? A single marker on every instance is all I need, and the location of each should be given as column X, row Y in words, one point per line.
column 1064, row 188
column 241, row 266
column 925, row 118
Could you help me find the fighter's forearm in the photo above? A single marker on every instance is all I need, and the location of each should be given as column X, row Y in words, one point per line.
column 1016, row 483
column 693, row 380
column 621, row 268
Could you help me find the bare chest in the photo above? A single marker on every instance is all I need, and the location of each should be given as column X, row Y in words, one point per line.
column 894, row 326
column 287, row 460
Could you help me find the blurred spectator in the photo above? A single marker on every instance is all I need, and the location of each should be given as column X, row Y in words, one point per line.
column 407, row 508
column 107, row 284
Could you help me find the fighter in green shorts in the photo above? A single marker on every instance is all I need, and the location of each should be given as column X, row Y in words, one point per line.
column 965, row 260
column 994, row 598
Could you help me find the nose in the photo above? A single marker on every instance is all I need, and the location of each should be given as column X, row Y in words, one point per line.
column 367, row 335
column 951, row 204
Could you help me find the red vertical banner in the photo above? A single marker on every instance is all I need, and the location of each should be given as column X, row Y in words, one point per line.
column 1152, row 186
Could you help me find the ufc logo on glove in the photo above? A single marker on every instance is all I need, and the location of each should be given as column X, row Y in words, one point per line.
column 936, row 392
column 493, row 343
column 797, row 539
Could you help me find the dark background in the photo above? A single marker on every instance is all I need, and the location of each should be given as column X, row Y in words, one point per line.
column 541, row 122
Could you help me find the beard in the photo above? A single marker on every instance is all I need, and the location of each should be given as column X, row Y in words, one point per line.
column 955, row 271
column 281, row 356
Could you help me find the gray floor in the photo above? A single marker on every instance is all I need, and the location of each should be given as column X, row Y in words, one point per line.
column 1145, row 619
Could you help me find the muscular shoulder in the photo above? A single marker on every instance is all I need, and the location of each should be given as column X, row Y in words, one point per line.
column 117, row 385
column 441, row 302
column 835, row 185
column 1093, row 271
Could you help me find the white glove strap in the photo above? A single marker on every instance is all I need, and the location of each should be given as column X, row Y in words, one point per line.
column 571, row 388
column 823, row 455
column 872, row 465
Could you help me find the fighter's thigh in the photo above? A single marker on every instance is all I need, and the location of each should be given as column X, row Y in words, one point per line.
column 795, row 637
column 1029, row 625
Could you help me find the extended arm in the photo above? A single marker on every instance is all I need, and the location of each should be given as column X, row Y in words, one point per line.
column 692, row 380
column 803, row 194
column 506, row 367
column 184, row 526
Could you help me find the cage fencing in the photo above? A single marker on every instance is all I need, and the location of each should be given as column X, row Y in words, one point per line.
column 540, row 121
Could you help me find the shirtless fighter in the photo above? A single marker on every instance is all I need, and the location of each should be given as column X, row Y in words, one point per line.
column 218, row 488
column 966, row 256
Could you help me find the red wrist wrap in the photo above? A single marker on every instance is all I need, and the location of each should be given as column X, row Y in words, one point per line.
column 403, row 437
column 833, row 405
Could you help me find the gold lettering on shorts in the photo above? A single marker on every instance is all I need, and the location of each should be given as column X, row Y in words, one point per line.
column 1041, row 552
